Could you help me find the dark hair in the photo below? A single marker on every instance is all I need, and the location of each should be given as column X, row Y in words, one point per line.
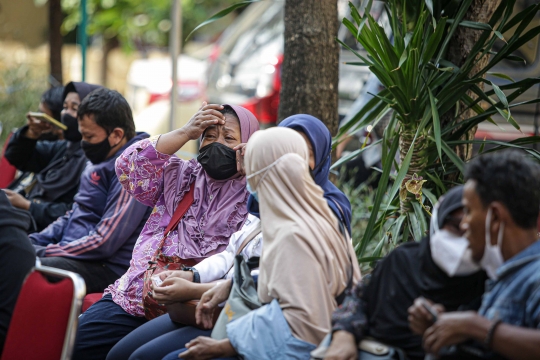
column 53, row 99
column 110, row 111
column 229, row 110
column 510, row 178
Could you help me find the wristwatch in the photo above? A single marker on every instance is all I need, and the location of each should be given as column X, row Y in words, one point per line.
column 196, row 275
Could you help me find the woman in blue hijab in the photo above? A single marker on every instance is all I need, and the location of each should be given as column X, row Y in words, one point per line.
column 321, row 143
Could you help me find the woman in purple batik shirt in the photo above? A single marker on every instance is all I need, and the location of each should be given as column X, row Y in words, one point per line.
column 152, row 174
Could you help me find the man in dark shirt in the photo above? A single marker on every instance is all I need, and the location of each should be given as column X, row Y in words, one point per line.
column 379, row 308
column 501, row 199
column 17, row 257
column 96, row 238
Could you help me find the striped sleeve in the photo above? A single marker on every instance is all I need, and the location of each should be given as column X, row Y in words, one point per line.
column 121, row 218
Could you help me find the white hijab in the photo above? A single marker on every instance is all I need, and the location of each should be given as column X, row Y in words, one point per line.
column 306, row 260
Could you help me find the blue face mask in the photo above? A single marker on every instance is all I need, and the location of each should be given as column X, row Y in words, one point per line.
column 254, row 193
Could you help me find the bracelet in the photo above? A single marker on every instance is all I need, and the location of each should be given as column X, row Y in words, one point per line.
column 196, row 275
column 490, row 333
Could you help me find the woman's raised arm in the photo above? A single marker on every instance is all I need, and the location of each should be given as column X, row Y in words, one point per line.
column 207, row 115
column 140, row 167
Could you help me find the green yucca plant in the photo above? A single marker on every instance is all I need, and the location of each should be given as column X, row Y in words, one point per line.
column 420, row 87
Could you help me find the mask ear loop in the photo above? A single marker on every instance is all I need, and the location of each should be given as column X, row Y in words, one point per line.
column 123, row 136
column 266, row 168
column 488, row 228
column 500, row 237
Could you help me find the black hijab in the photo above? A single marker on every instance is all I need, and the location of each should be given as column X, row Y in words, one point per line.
column 63, row 173
column 81, row 88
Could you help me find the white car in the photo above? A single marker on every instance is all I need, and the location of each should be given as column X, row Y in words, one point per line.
column 148, row 92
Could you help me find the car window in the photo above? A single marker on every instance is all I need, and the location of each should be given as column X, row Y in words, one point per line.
column 256, row 47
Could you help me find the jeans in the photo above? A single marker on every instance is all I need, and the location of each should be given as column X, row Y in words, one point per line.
column 267, row 325
column 97, row 276
column 101, row 327
column 154, row 340
column 174, row 356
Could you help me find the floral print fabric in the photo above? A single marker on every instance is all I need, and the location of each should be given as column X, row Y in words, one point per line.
column 160, row 180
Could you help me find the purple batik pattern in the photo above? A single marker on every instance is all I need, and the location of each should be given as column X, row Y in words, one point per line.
column 160, row 181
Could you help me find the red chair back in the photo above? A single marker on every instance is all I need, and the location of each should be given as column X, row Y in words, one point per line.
column 44, row 320
column 90, row 300
column 7, row 171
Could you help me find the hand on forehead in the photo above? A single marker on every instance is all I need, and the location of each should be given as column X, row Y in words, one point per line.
column 228, row 134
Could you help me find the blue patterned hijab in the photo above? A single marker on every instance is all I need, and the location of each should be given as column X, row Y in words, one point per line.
column 321, row 142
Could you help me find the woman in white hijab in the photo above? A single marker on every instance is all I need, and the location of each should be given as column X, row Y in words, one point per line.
column 306, row 261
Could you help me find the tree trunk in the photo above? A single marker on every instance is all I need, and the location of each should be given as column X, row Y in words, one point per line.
column 310, row 73
column 108, row 46
column 458, row 49
column 55, row 42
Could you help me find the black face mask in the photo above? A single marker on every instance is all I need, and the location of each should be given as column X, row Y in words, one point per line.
column 72, row 133
column 218, row 160
column 96, row 153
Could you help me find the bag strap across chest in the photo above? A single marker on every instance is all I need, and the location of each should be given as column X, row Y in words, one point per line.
column 248, row 238
column 252, row 235
column 180, row 211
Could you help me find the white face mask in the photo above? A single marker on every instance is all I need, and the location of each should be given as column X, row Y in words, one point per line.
column 492, row 258
column 451, row 253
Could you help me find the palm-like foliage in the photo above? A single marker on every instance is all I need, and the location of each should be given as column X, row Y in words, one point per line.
column 420, row 86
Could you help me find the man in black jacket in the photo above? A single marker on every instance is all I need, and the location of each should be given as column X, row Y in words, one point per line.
column 17, row 257
column 57, row 165
column 439, row 267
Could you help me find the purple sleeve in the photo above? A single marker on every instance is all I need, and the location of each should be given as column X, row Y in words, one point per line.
column 351, row 316
column 140, row 170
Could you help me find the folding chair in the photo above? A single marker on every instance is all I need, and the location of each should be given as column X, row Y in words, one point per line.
column 45, row 318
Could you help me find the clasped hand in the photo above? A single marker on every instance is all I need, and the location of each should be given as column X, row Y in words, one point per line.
column 450, row 328
column 173, row 289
